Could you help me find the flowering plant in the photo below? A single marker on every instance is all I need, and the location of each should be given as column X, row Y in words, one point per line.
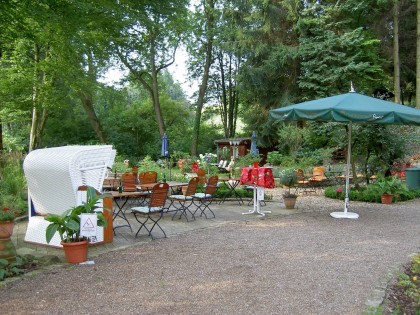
column 7, row 214
column 338, row 191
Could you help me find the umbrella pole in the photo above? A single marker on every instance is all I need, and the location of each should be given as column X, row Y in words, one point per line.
column 169, row 166
column 345, row 214
column 346, row 198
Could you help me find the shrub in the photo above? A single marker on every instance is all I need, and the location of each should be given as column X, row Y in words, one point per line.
column 370, row 193
column 21, row 265
column 274, row 157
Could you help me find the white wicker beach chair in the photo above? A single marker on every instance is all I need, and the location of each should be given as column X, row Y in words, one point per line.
column 54, row 176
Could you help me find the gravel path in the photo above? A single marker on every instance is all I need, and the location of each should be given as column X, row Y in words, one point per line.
column 306, row 263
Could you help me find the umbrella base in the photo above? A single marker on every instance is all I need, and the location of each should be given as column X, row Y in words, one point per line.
column 344, row 215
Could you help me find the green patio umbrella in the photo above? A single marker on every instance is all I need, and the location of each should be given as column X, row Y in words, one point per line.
column 349, row 108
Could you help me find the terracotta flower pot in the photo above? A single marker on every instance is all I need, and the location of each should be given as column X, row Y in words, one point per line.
column 386, row 198
column 75, row 252
column 6, row 229
column 289, row 202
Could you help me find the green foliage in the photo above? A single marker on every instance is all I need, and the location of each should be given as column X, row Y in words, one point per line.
column 68, row 224
column 410, row 282
column 316, row 156
column 274, row 157
column 246, row 160
column 291, row 139
column 7, row 214
column 289, row 178
column 379, row 146
column 12, row 183
column 391, row 185
column 223, row 191
column 370, row 193
column 352, row 52
column 147, row 164
column 21, row 265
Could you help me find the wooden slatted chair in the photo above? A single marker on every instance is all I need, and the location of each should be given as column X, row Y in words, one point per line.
column 203, row 200
column 201, row 176
column 128, row 180
column 183, row 202
column 154, row 209
column 302, row 183
column 148, row 177
column 318, row 179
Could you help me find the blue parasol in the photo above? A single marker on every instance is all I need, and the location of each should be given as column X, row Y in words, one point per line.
column 254, row 149
column 165, row 151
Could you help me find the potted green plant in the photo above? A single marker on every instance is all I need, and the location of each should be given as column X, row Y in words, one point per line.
column 68, row 226
column 389, row 187
column 289, row 178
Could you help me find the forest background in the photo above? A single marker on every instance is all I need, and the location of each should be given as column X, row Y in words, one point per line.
column 248, row 57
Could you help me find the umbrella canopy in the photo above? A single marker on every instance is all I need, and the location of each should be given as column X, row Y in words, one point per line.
column 254, row 149
column 164, row 150
column 348, row 108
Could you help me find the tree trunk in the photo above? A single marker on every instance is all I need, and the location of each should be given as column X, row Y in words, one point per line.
column 33, row 140
column 39, row 114
column 87, row 103
column 155, row 90
column 1, row 126
column 396, row 53
column 224, row 111
column 1, row 138
column 418, row 58
column 203, row 87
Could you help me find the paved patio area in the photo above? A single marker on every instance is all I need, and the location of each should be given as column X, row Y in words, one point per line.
column 291, row 262
column 226, row 212
column 299, row 261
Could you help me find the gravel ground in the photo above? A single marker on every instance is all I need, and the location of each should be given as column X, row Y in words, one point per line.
column 306, row 263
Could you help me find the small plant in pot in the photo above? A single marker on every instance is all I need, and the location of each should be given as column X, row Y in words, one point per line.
column 289, row 178
column 68, row 225
column 389, row 187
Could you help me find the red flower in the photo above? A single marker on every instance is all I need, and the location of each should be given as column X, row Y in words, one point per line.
column 339, row 189
column 5, row 209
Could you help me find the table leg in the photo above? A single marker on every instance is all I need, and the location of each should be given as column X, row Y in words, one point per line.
column 232, row 190
column 120, row 213
column 257, row 207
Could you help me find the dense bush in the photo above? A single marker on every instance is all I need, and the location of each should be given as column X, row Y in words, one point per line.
column 223, row 190
column 274, row 157
column 370, row 193
column 12, row 183
column 22, row 265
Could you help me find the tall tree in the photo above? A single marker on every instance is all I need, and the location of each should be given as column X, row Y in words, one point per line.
column 151, row 33
column 396, row 53
column 352, row 53
column 205, row 36
column 418, row 57
column 44, row 50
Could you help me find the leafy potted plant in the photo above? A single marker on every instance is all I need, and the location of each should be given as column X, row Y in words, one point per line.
column 289, row 178
column 7, row 222
column 68, row 226
column 389, row 187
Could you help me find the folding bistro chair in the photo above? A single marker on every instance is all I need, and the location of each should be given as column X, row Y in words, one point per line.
column 182, row 203
column 201, row 176
column 128, row 180
column 154, row 210
column 204, row 199
column 303, row 183
column 148, row 177
column 318, row 179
